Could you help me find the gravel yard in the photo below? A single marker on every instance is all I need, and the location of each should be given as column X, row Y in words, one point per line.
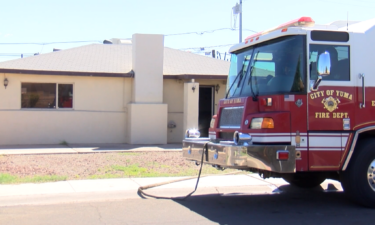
column 101, row 165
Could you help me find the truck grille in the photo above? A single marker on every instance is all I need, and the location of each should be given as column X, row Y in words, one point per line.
column 231, row 117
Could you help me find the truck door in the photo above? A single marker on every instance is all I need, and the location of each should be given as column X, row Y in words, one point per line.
column 330, row 106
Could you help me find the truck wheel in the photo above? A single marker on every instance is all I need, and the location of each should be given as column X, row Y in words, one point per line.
column 304, row 180
column 358, row 180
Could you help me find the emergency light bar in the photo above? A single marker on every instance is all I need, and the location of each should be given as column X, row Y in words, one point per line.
column 301, row 22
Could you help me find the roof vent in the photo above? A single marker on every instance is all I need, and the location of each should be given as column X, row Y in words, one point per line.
column 107, row 42
column 117, row 41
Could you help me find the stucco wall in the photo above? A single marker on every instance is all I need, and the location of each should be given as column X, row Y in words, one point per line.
column 173, row 95
column 98, row 114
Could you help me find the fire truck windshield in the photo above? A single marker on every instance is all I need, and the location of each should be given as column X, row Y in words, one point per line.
column 273, row 67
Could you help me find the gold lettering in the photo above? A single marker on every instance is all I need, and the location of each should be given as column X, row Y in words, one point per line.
column 341, row 93
column 332, row 92
column 322, row 115
column 312, row 96
column 315, row 95
column 372, row 103
column 327, row 92
column 340, row 115
column 337, row 93
column 346, row 95
column 322, row 93
column 350, row 97
column 318, row 93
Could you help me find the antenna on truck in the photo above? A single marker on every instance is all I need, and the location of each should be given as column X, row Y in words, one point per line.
column 347, row 20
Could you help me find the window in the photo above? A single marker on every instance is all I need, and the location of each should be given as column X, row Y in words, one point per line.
column 319, row 35
column 237, row 71
column 277, row 67
column 339, row 54
column 44, row 95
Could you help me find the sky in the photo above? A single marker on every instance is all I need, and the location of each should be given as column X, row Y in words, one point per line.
column 189, row 25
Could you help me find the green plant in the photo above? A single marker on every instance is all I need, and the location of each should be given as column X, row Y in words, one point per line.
column 64, row 143
column 131, row 171
column 129, row 153
column 11, row 179
column 34, row 98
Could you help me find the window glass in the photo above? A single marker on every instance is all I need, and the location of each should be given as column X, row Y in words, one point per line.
column 340, row 64
column 65, row 93
column 38, row 95
column 277, row 68
column 237, row 71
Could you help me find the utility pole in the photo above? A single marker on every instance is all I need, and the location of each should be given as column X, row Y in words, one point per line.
column 240, row 21
column 237, row 9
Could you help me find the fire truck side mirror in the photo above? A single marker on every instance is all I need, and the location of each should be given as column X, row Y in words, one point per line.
column 324, row 64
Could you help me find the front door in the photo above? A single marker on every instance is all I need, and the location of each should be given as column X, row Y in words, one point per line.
column 206, row 109
column 330, row 107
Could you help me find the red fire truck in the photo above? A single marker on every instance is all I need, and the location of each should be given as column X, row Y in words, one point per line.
column 300, row 105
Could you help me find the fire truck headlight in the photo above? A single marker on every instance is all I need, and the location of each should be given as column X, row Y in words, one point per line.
column 259, row 123
column 212, row 124
column 192, row 133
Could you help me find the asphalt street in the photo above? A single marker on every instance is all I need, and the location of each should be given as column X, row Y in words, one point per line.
column 284, row 205
column 230, row 199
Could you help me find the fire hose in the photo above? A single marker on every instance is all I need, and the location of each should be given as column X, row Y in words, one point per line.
column 142, row 188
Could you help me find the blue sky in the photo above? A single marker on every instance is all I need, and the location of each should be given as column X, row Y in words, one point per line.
column 46, row 21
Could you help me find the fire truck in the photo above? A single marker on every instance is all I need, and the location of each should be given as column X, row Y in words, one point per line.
column 300, row 105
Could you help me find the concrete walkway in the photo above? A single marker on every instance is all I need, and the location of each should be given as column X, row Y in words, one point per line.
column 126, row 188
column 77, row 148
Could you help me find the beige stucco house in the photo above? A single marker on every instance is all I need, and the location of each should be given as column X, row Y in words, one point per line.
column 138, row 93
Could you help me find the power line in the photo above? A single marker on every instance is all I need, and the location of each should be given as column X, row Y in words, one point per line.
column 49, row 43
column 207, row 31
column 214, row 46
column 344, row 3
column 15, row 54
column 97, row 41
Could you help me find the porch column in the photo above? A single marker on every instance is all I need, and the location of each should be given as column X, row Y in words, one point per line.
column 191, row 105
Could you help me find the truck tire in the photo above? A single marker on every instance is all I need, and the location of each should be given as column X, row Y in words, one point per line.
column 358, row 180
column 304, row 180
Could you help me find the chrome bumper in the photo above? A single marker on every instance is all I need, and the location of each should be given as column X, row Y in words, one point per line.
column 228, row 155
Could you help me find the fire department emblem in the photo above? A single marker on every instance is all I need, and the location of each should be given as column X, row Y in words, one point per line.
column 331, row 103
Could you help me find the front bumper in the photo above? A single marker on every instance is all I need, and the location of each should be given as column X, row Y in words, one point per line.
column 228, row 155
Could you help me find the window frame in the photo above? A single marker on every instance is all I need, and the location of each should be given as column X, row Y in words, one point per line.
column 332, row 45
column 56, row 96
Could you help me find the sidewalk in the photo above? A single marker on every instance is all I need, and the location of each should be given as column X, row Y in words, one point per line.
column 126, row 188
column 84, row 148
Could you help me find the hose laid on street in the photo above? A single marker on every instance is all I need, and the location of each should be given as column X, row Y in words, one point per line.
column 142, row 188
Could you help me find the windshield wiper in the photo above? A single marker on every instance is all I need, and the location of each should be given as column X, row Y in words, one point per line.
column 226, row 96
column 255, row 96
column 239, row 75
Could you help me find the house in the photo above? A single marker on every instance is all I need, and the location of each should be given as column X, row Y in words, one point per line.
column 138, row 93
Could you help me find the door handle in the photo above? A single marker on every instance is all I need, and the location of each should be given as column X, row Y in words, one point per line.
column 362, row 105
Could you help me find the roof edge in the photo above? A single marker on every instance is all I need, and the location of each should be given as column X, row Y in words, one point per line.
column 67, row 73
column 195, row 76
